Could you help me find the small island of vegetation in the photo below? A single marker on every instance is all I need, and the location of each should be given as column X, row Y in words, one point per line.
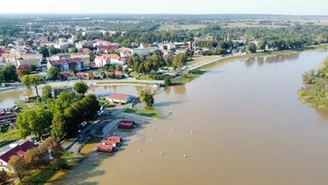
column 314, row 92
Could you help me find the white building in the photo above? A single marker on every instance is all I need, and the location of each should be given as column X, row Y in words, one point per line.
column 90, row 32
column 144, row 51
column 62, row 45
column 120, row 98
column 101, row 61
column 126, row 52
column 30, row 59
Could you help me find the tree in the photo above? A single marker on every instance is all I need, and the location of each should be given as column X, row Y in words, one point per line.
column 32, row 67
column 251, row 47
column 46, row 92
column 89, row 106
column 54, row 146
column 34, row 121
column 146, row 98
column 168, row 59
column 35, row 157
column 57, row 127
column 59, row 164
column 22, row 72
column 309, row 77
column 179, row 61
column 44, row 51
column 130, row 61
column 3, row 176
column 8, row 73
column 119, row 67
column 167, row 82
column 32, row 80
column 91, row 57
column 63, row 101
column 19, row 165
column 81, row 87
column 73, row 50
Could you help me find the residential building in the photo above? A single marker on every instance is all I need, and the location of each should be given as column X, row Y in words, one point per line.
column 8, row 58
column 90, row 32
column 15, row 150
column 63, row 56
column 126, row 52
column 167, row 46
column 144, row 51
column 62, row 45
column 144, row 45
column 67, row 64
column 30, row 59
column 120, row 98
column 104, row 59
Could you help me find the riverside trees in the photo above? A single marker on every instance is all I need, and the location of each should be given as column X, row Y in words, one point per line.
column 316, row 86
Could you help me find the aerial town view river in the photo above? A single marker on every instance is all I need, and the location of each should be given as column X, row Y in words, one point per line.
column 238, row 124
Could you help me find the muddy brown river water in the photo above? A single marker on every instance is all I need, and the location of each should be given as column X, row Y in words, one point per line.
column 248, row 128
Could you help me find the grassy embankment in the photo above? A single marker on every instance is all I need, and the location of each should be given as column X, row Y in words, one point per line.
column 125, row 83
column 8, row 135
column 152, row 113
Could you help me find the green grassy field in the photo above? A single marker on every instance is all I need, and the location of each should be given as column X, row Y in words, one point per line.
column 188, row 78
column 146, row 112
column 181, row 27
column 201, row 59
column 8, row 135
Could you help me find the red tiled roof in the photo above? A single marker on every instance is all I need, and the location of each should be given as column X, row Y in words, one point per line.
column 70, row 60
column 119, row 97
column 24, row 67
column 86, row 50
column 18, row 150
column 66, row 74
column 111, row 56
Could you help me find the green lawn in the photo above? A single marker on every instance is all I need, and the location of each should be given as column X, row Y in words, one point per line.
column 8, row 135
column 189, row 77
column 133, row 74
column 39, row 176
column 144, row 77
column 181, row 27
column 146, row 112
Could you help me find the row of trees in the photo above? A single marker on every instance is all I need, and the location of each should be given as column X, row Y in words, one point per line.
column 38, row 157
column 157, row 60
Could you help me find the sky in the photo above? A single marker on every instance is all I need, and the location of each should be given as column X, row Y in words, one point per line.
column 291, row 7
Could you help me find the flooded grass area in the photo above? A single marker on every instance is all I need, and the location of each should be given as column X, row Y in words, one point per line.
column 188, row 78
column 89, row 146
column 152, row 113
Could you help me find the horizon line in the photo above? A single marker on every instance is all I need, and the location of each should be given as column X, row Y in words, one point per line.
column 62, row 13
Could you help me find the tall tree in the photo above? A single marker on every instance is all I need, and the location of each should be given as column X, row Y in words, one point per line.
column 251, row 47
column 81, row 87
column 146, row 98
column 57, row 127
column 168, row 59
column 32, row 80
column 34, row 121
column 19, row 166
column 8, row 73
column 46, row 92
column 53, row 73
column 54, row 146
column 179, row 61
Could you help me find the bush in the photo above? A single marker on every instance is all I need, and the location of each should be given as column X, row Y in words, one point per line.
column 301, row 93
column 122, row 103
column 3, row 176
column 184, row 75
column 59, row 164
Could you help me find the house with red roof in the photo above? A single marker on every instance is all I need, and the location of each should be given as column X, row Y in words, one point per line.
column 120, row 98
column 67, row 64
column 101, row 61
column 18, row 150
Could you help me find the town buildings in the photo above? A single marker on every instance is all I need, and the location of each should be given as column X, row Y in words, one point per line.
column 67, row 64
column 120, row 98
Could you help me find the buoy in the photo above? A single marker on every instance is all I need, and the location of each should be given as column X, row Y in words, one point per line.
column 184, row 156
column 161, row 153
column 172, row 129
column 139, row 150
column 153, row 128
column 191, row 132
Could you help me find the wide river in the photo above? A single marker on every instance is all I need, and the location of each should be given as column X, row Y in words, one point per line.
column 249, row 128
